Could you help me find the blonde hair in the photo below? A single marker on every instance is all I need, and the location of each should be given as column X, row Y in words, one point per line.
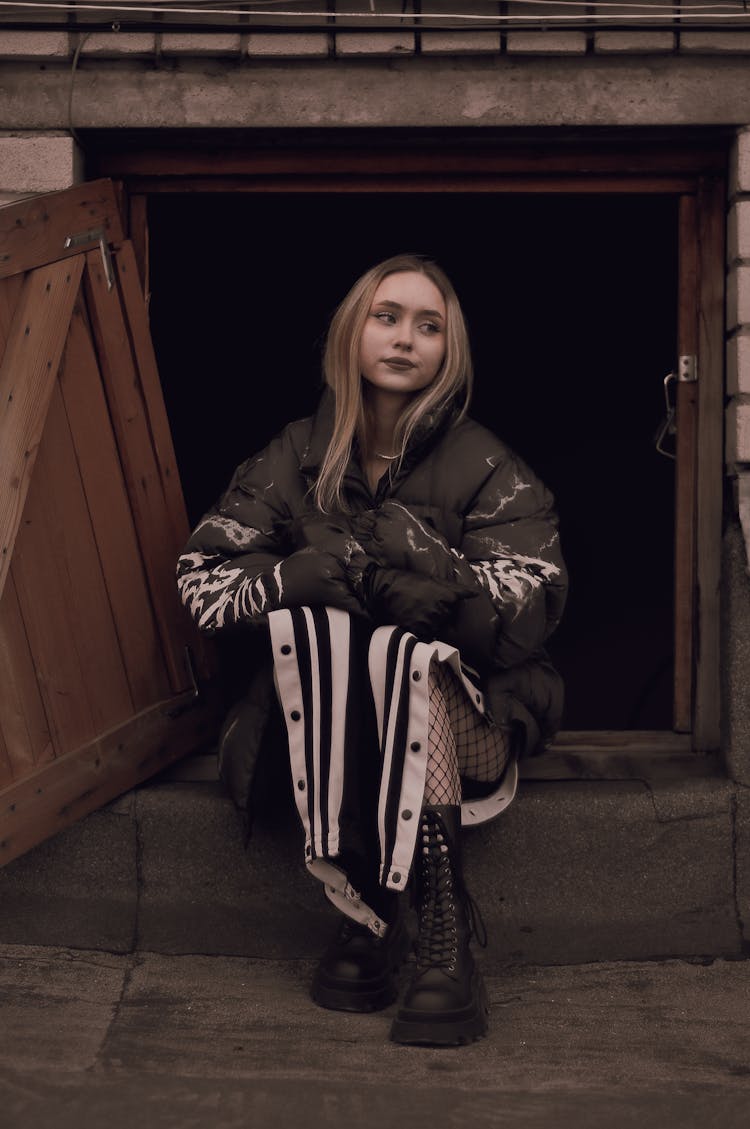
column 341, row 369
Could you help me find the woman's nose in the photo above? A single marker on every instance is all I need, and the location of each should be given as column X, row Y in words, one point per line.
column 403, row 338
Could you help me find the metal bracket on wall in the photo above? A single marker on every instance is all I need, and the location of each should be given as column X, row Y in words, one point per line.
column 687, row 368
column 97, row 235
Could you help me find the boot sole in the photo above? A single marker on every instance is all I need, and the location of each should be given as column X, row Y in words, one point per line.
column 444, row 1029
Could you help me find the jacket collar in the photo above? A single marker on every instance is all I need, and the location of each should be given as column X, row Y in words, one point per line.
column 426, row 434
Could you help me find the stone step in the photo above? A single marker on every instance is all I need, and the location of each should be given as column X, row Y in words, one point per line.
column 573, row 871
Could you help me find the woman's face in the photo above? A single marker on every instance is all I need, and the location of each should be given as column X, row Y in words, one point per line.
column 403, row 341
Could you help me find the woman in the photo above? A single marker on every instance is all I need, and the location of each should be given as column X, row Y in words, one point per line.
column 407, row 565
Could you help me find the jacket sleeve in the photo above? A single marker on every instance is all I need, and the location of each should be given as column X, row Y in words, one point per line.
column 511, row 548
column 229, row 571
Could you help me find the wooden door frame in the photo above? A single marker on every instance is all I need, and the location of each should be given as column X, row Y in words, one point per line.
column 694, row 173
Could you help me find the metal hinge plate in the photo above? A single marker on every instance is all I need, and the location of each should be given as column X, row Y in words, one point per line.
column 687, row 368
column 96, row 235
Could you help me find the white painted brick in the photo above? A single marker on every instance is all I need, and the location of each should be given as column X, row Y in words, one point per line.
column 351, row 44
column 32, row 163
column 546, row 43
column 738, row 231
column 738, row 432
column 34, row 45
column 715, row 42
column 195, row 43
column 114, row 44
column 739, row 164
column 287, row 45
column 738, row 364
column 460, row 42
column 738, row 297
column 634, row 42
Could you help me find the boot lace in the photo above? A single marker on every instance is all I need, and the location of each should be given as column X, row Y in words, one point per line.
column 444, row 901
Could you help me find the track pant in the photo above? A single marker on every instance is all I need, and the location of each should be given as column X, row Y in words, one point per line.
column 356, row 709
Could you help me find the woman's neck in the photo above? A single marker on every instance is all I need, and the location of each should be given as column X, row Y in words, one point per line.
column 384, row 409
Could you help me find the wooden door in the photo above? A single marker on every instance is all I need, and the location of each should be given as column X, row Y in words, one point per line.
column 97, row 659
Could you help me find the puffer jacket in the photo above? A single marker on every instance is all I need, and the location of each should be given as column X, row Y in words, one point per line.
column 463, row 528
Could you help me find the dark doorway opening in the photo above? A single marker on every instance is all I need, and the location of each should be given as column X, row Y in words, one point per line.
column 571, row 302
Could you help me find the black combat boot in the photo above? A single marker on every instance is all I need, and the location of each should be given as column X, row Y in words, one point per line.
column 446, row 1002
column 359, row 970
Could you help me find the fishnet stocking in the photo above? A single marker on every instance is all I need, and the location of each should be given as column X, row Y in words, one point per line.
column 461, row 741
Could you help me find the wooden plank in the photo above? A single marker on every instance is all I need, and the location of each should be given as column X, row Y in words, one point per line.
column 686, row 397
column 711, row 202
column 112, row 521
column 615, row 156
column 70, row 540
column 143, row 350
column 138, row 236
column 83, row 780
column 441, row 183
column 33, row 232
column 24, row 722
column 142, row 474
column 27, row 375
column 10, row 292
column 6, row 772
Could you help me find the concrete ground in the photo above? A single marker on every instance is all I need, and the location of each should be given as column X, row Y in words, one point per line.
column 157, row 1041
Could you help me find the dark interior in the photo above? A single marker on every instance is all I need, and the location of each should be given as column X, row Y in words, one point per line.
column 571, row 303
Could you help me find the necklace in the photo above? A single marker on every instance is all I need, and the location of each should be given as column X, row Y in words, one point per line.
column 390, row 458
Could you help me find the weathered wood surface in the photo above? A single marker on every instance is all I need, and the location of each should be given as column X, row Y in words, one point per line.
column 711, row 203
column 81, row 781
column 129, row 413
column 27, row 376
column 23, row 720
column 111, row 518
column 10, row 292
column 143, row 351
column 33, row 232
column 686, row 418
column 63, row 597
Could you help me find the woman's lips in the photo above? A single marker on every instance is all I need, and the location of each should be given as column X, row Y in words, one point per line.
column 399, row 363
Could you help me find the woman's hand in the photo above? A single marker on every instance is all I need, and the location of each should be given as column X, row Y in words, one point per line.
column 400, row 540
column 312, row 578
column 420, row 604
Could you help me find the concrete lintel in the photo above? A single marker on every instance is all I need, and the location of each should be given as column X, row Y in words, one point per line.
column 426, row 92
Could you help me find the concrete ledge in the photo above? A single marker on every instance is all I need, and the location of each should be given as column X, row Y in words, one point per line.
column 573, row 872
column 464, row 43
column 31, row 163
column 83, row 884
column 546, row 43
column 634, row 42
column 350, row 44
column 715, row 42
column 288, row 45
column 193, row 43
column 123, row 44
column 37, row 45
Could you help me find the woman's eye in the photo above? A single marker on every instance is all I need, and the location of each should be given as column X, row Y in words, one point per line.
column 430, row 327
column 385, row 316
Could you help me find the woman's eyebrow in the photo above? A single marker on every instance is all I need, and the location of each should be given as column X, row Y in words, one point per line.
column 397, row 306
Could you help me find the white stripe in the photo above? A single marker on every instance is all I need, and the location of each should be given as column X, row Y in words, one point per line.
column 378, row 671
column 289, row 690
column 315, row 688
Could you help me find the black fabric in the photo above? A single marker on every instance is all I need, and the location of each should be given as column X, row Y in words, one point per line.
column 462, row 508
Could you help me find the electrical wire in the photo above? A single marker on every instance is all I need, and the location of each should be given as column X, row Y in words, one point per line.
column 654, row 12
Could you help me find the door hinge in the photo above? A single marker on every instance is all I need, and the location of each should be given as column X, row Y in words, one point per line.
column 687, row 368
column 96, row 235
